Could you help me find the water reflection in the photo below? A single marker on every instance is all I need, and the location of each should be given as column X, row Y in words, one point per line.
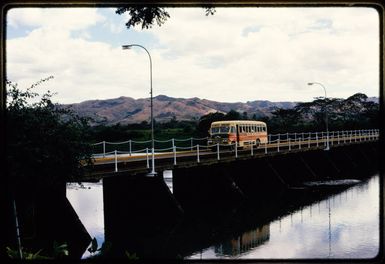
column 87, row 200
column 343, row 225
column 244, row 242
column 167, row 176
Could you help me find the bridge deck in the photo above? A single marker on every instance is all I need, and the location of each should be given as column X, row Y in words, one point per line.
column 111, row 165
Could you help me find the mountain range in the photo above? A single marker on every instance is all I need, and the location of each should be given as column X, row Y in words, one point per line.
column 127, row 110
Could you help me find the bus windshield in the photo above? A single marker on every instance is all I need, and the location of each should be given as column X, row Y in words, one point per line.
column 221, row 129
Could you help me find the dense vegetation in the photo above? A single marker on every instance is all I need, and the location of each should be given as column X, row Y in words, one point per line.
column 45, row 145
column 355, row 112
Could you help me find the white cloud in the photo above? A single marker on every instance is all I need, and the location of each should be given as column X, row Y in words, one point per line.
column 283, row 55
column 57, row 18
column 198, row 56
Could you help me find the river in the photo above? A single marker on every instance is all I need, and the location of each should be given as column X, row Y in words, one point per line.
column 342, row 226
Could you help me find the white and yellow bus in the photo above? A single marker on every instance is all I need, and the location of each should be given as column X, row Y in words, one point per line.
column 244, row 132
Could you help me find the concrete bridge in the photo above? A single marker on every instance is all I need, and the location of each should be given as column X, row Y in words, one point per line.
column 193, row 152
column 220, row 187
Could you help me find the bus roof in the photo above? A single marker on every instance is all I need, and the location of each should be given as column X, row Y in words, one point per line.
column 240, row 122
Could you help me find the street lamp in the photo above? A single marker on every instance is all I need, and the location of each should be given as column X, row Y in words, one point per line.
column 152, row 173
column 326, row 115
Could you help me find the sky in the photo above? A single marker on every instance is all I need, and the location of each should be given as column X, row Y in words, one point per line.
column 235, row 55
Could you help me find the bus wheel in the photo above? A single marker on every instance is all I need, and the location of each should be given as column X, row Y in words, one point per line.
column 257, row 143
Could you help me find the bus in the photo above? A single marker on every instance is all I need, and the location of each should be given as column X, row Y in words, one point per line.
column 246, row 133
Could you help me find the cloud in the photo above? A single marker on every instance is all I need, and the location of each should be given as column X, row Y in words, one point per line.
column 280, row 57
column 238, row 54
column 58, row 18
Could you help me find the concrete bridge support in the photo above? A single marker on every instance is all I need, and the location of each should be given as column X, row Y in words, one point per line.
column 45, row 217
column 136, row 208
column 206, row 190
column 224, row 185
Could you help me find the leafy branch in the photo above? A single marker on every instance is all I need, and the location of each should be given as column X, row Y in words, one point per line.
column 147, row 16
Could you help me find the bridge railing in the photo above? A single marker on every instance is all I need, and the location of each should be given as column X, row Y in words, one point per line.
column 134, row 146
column 276, row 143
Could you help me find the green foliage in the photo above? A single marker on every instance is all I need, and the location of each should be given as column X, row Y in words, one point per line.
column 284, row 120
column 59, row 251
column 102, row 251
column 205, row 122
column 147, row 16
column 14, row 254
column 45, row 144
column 142, row 131
column 131, row 256
column 355, row 112
column 233, row 115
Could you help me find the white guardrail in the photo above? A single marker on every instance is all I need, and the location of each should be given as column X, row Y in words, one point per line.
column 275, row 143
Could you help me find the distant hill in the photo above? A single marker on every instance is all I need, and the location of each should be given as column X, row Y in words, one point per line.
column 127, row 110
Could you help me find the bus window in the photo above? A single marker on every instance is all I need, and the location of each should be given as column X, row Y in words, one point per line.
column 232, row 129
column 214, row 130
column 224, row 129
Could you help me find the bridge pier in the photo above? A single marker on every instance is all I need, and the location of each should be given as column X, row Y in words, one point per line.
column 135, row 208
column 356, row 161
column 257, row 179
column 206, row 190
column 45, row 217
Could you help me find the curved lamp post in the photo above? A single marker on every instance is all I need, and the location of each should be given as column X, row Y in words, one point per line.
column 152, row 173
column 326, row 115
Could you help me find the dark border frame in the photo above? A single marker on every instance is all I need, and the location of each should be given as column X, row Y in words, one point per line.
column 376, row 4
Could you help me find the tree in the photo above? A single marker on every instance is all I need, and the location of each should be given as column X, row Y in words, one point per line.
column 148, row 15
column 284, row 120
column 46, row 145
column 355, row 112
column 145, row 15
column 205, row 122
column 245, row 116
column 233, row 115
column 371, row 115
